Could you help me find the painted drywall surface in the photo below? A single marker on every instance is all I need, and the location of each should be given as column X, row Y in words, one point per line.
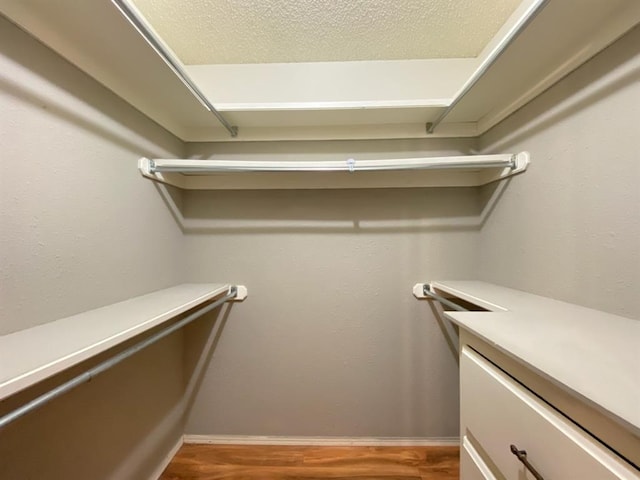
column 79, row 228
column 570, row 227
column 330, row 341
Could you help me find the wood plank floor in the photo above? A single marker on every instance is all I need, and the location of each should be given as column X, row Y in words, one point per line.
column 261, row 462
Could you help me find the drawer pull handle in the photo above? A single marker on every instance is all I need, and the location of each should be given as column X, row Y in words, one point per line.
column 522, row 456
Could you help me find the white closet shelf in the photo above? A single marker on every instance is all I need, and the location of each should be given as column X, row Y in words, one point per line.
column 394, row 98
column 578, row 349
column 31, row 355
column 454, row 171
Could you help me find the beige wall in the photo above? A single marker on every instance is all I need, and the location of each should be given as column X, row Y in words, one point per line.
column 330, row 341
column 569, row 228
column 79, row 229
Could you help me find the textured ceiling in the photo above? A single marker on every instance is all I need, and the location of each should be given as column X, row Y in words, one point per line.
column 282, row 31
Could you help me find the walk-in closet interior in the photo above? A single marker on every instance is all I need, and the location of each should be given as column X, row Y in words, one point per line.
column 320, row 223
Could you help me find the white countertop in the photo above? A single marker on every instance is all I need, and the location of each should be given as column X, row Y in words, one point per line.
column 31, row 355
column 592, row 355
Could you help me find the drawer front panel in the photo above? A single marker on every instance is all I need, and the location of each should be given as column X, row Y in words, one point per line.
column 499, row 412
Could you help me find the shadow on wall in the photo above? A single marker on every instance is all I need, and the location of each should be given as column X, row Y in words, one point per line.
column 447, row 328
column 201, row 339
column 333, row 211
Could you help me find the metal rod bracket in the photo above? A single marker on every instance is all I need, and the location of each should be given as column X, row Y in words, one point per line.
column 423, row 291
column 429, row 128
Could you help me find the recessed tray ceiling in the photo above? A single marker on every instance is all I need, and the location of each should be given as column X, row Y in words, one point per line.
column 285, row 31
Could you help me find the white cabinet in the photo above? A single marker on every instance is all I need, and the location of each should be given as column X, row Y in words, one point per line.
column 497, row 412
column 557, row 380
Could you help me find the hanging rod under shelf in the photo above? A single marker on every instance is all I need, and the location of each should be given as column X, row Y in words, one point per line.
column 234, row 293
column 510, row 161
column 184, row 173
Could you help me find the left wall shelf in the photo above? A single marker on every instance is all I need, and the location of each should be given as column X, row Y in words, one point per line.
column 31, row 355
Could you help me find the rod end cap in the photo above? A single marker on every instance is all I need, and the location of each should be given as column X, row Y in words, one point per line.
column 241, row 293
column 418, row 290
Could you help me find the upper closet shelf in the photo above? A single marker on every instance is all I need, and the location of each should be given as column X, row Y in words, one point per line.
column 407, row 92
column 456, row 171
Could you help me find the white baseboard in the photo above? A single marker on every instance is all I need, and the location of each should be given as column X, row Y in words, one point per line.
column 167, row 459
column 321, row 441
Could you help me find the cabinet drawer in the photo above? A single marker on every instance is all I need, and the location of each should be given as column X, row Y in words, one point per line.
column 498, row 412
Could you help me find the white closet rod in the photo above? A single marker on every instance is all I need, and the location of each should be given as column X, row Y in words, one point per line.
column 350, row 165
column 134, row 17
